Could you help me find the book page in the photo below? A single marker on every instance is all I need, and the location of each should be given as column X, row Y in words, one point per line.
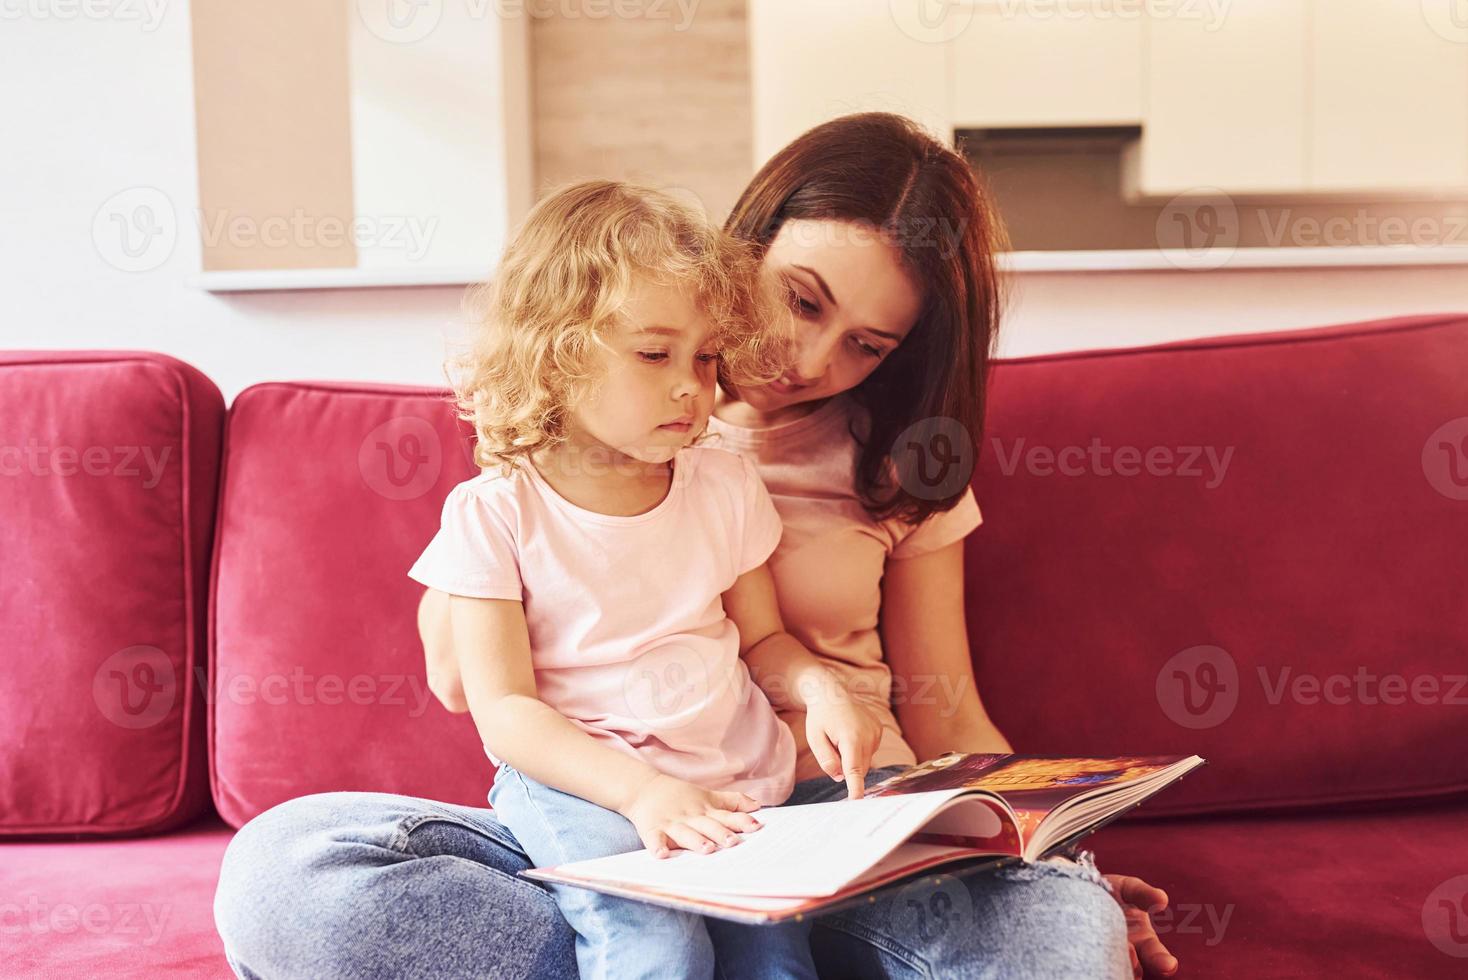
column 802, row 851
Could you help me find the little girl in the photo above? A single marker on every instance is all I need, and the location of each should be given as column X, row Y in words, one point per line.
column 610, row 601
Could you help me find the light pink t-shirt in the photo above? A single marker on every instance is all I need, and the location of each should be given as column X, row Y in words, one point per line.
column 628, row 635
column 829, row 565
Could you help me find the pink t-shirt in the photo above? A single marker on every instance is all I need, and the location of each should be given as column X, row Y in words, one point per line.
column 628, row 635
column 829, row 565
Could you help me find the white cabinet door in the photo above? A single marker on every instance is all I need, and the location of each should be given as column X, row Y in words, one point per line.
column 1049, row 64
column 812, row 60
column 1224, row 98
column 1389, row 83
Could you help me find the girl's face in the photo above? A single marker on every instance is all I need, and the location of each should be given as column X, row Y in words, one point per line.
column 659, row 370
column 853, row 303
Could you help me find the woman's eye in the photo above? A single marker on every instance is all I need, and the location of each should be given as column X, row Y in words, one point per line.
column 652, row 356
column 867, row 348
column 802, row 305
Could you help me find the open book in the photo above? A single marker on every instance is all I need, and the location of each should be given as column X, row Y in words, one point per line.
column 969, row 810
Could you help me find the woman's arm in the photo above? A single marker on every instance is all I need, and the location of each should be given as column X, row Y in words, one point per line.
column 926, row 644
column 842, row 733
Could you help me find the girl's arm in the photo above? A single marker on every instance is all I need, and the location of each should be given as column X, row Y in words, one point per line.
column 926, row 644
column 842, row 733
column 542, row 743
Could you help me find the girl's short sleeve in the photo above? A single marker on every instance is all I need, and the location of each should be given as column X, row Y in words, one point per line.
column 942, row 528
column 473, row 553
column 762, row 525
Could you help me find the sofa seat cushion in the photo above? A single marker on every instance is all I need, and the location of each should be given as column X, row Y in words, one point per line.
column 1355, row 892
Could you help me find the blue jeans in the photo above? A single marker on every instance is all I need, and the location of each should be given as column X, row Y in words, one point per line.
column 621, row 938
column 367, row 885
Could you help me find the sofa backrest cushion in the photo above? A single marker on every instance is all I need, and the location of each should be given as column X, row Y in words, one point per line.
column 1252, row 548
column 108, row 472
column 329, row 493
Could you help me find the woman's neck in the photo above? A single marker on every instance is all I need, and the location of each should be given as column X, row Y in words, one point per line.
column 745, row 415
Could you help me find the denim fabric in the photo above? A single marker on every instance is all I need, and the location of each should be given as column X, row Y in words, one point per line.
column 373, row 885
column 622, row 939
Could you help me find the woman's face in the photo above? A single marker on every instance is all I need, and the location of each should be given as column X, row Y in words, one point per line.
column 853, row 301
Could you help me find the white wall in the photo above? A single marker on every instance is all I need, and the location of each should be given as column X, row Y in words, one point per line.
column 97, row 106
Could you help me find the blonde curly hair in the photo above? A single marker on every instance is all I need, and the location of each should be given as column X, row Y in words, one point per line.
column 561, row 286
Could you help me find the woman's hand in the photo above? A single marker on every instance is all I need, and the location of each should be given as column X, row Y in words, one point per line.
column 666, row 809
column 1138, row 901
column 843, row 735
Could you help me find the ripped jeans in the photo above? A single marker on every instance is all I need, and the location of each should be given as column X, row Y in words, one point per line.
column 367, row 885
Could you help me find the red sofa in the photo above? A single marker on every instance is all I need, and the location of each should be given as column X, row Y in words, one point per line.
column 1254, row 548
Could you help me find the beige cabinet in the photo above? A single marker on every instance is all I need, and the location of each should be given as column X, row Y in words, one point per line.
column 1019, row 65
column 1225, row 102
column 1389, row 97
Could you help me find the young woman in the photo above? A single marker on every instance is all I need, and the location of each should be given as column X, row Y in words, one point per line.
column 884, row 242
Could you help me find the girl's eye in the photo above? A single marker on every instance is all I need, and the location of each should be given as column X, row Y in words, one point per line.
column 653, row 356
column 867, row 348
column 708, row 358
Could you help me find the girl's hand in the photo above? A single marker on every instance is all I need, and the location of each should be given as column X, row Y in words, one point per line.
column 843, row 735
column 667, row 810
column 1138, row 901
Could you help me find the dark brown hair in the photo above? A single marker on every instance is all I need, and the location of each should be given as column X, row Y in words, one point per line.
column 884, row 171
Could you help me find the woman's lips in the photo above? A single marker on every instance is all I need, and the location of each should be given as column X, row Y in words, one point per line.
column 783, row 387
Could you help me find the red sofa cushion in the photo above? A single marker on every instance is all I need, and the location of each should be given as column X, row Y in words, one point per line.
column 120, row 909
column 1296, row 617
column 329, row 493
column 110, row 461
